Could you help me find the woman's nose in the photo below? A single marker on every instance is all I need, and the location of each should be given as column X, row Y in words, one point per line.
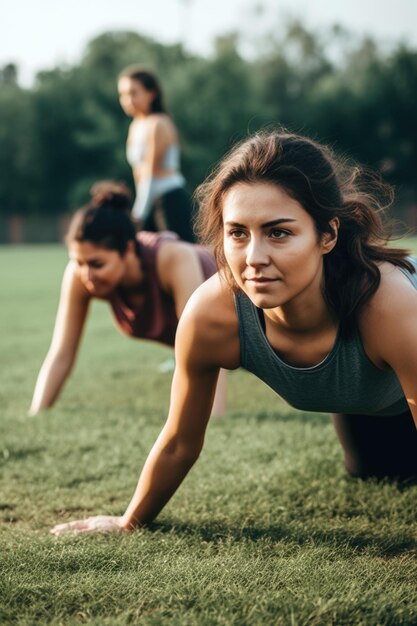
column 89, row 274
column 256, row 253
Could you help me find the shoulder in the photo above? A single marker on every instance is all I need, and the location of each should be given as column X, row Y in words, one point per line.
column 388, row 320
column 209, row 325
column 176, row 255
column 213, row 302
column 158, row 245
column 158, row 123
column 395, row 293
column 150, row 239
column 167, row 251
column 172, row 250
column 164, row 252
column 178, row 265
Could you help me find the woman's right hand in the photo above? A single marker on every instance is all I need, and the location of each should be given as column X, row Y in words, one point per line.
column 95, row 524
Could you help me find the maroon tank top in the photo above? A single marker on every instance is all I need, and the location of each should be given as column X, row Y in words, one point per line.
column 156, row 319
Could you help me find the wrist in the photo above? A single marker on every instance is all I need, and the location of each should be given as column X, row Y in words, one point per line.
column 128, row 523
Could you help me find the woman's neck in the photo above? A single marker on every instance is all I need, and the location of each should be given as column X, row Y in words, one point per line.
column 302, row 317
column 134, row 275
column 141, row 115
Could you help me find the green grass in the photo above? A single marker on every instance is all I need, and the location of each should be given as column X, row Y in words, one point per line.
column 267, row 528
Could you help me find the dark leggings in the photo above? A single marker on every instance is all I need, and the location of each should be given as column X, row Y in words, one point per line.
column 378, row 446
column 172, row 211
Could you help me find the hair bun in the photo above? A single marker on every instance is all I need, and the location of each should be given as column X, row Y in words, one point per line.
column 113, row 194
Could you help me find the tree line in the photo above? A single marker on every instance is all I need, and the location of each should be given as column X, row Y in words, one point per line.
column 68, row 130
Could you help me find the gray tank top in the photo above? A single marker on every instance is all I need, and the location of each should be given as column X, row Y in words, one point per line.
column 346, row 381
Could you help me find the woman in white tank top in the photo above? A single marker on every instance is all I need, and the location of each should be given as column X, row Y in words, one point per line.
column 162, row 202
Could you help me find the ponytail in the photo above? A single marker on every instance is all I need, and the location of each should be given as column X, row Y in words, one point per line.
column 105, row 221
column 115, row 195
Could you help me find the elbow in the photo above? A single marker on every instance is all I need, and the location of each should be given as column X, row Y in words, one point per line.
column 185, row 452
column 190, row 455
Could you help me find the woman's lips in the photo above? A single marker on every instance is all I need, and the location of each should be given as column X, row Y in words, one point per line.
column 260, row 279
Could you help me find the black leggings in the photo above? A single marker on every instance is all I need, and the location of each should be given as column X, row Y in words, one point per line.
column 378, row 446
column 172, row 211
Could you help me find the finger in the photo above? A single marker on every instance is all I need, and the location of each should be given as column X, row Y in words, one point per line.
column 69, row 527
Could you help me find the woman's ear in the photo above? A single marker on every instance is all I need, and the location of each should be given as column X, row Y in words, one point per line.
column 329, row 240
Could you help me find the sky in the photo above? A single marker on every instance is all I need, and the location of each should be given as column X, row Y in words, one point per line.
column 46, row 33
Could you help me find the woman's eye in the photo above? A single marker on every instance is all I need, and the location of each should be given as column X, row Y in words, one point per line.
column 237, row 234
column 278, row 233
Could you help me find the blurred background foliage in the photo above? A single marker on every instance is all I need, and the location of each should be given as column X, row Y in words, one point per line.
column 68, row 130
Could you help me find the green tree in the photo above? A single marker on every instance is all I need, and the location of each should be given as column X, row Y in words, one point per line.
column 17, row 171
column 69, row 130
column 213, row 102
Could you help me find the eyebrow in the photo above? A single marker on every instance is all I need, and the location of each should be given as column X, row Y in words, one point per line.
column 281, row 220
column 95, row 260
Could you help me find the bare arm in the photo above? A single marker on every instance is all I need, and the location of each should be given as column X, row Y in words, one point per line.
column 69, row 324
column 178, row 445
column 390, row 332
column 180, row 273
column 159, row 136
column 400, row 354
column 174, row 452
column 200, row 352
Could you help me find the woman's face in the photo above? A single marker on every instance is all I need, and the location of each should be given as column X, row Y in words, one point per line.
column 101, row 270
column 134, row 98
column 271, row 245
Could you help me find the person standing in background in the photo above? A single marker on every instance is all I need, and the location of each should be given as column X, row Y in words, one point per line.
column 162, row 201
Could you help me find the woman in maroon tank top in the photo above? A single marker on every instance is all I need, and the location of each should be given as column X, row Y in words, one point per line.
column 147, row 279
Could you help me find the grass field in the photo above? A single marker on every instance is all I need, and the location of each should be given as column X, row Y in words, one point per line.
column 266, row 530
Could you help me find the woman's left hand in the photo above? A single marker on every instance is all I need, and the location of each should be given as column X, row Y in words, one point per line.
column 97, row 524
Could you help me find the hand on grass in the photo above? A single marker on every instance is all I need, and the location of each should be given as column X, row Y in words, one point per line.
column 97, row 524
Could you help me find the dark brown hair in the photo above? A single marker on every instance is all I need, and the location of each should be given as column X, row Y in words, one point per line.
column 327, row 188
column 150, row 82
column 105, row 221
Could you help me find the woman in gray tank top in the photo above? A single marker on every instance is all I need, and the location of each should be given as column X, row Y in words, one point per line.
column 309, row 298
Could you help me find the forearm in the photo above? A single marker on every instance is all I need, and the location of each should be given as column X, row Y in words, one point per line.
column 50, row 381
column 142, row 207
column 220, row 399
column 166, row 467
